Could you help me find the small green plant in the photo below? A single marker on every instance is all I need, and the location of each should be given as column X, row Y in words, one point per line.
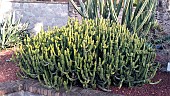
column 95, row 53
column 11, row 32
column 138, row 15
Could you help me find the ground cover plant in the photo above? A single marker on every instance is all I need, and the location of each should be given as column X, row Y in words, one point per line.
column 94, row 53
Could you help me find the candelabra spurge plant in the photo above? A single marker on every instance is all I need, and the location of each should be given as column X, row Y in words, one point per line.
column 95, row 53
column 137, row 15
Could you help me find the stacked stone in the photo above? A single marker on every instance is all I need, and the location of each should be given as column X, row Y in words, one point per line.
column 163, row 14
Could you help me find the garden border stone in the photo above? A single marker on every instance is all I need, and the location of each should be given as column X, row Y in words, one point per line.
column 35, row 87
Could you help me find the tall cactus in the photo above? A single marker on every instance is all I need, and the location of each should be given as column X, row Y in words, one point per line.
column 138, row 18
column 93, row 53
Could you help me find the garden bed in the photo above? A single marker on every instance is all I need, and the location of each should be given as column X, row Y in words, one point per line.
column 51, row 53
column 9, row 69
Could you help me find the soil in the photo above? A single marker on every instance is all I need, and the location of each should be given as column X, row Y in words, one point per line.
column 8, row 70
column 160, row 89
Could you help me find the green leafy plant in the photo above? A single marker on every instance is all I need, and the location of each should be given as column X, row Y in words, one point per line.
column 138, row 15
column 11, row 32
column 93, row 53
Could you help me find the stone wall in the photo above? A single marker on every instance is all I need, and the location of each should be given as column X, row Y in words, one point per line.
column 163, row 17
column 25, row 86
column 37, row 14
column 163, row 14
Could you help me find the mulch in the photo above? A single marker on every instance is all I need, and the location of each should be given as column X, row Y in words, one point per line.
column 8, row 70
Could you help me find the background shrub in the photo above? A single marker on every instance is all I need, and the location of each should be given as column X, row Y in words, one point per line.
column 95, row 53
column 137, row 15
column 11, row 32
